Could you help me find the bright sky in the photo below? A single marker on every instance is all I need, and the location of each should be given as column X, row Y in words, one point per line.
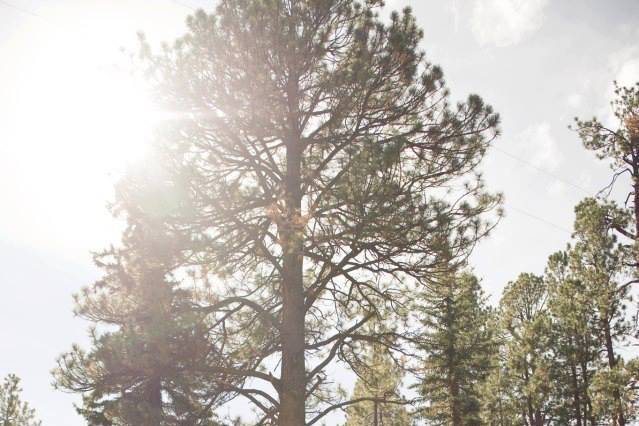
column 70, row 119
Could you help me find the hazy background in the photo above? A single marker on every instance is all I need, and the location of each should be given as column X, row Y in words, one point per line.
column 70, row 119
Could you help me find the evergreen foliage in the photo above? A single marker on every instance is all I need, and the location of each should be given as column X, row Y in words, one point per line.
column 312, row 205
column 13, row 410
column 148, row 345
column 308, row 174
column 618, row 144
column 576, row 348
column 528, row 365
column 378, row 390
column 458, row 343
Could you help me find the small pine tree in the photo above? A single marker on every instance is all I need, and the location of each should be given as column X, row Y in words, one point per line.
column 14, row 411
column 379, row 385
column 458, row 344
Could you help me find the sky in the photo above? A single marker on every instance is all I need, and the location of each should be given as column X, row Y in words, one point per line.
column 71, row 118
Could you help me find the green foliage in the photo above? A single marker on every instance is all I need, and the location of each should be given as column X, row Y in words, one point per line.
column 499, row 404
column 378, row 386
column 528, row 362
column 618, row 145
column 607, row 381
column 458, row 343
column 147, row 346
column 14, row 411
column 316, row 159
column 576, row 345
column 559, row 360
column 601, row 264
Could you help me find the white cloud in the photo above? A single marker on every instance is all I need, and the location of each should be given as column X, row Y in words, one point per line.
column 628, row 73
column 625, row 65
column 539, row 147
column 624, row 68
column 506, row 22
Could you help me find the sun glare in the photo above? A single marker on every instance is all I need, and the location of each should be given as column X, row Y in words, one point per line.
column 78, row 119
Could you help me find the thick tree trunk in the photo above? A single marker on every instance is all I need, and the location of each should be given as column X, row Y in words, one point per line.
column 293, row 384
column 635, row 199
column 153, row 397
column 293, row 380
column 293, row 387
column 635, row 188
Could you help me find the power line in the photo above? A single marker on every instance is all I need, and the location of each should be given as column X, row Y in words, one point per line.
column 550, row 174
column 544, row 171
column 541, row 219
column 19, row 8
column 180, row 3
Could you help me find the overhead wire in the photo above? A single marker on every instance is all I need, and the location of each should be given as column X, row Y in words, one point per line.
column 19, row 8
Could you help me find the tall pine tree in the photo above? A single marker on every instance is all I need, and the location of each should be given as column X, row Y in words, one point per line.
column 458, row 344
column 576, row 345
column 601, row 265
column 307, row 167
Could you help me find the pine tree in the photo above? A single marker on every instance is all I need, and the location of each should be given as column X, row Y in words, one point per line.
column 612, row 386
column 306, row 169
column 620, row 147
column 528, row 340
column 560, row 361
column 147, row 345
column 499, row 404
column 14, row 411
column 576, row 345
column 458, row 344
column 601, row 265
column 378, row 390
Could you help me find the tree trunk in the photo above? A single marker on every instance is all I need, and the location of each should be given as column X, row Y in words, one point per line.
column 531, row 412
column 636, row 202
column 153, row 409
column 375, row 409
column 612, row 362
column 293, row 381
column 635, row 188
column 455, row 415
column 576, row 393
column 587, row 405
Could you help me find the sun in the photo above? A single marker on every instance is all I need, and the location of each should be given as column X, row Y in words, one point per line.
column 78, row 118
